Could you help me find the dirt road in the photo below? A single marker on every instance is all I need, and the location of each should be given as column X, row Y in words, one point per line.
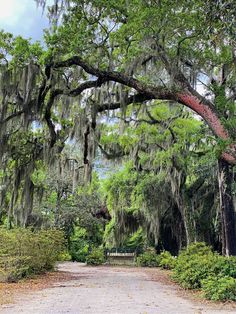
column 109, row 290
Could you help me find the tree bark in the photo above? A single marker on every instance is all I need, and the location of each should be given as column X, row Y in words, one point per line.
column 226, row 178
column 57, row 208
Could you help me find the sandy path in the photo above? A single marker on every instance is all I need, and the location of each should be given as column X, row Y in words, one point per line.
column 113, row 290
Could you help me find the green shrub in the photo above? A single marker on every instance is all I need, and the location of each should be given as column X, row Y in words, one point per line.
column 64, row 257
column 79, row 250
column 199, row 248
column 198, row 262
column 197, row 267
column 13, row 268
column 189, row 273
column 224, row 266
column 193, row 265
column 167, row 261
column 78, row 246
column 148, row 259
column 95, row 257
column 47, row 247
column 23, row 252
column 219, row 288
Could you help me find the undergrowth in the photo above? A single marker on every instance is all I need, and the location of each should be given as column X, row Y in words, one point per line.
column 198, row 267
column 24, row 252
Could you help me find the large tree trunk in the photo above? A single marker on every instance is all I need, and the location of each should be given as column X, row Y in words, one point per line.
column 226, row 179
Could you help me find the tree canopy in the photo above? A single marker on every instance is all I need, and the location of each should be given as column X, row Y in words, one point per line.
column 152, row 82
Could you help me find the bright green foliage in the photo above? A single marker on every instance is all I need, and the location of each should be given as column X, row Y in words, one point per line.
column 23, row 252
column 78, row 219
column 135, row 242
column 193, row 265
column 95, row 257
column 167, row 261
column 198, row 267
column 198, row 248
column 64, row 256
column 148, row 259
column 191, row 271
column 224, row 267
column 79, row 245
column 161, row 188
column 219, row 288
column 109, row 237
column 79, row 250
column 21, row 50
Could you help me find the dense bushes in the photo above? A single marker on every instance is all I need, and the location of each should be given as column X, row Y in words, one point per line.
column 83, row 239
column 95, row 257
column 79, row 250
column 13, row 268
column 167, row 261
column 197, row 267
column 193, row 265
column 148, row 259
column 23, row 252
column 219, row 288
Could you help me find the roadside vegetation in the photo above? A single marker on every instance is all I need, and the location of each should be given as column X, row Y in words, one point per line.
column 118, row 133
column 25, row 253
column 198, row 267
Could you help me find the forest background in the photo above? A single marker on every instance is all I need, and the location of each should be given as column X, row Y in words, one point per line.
column 119, row 129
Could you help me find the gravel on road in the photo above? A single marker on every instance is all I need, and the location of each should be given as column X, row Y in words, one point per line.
column 110, row 290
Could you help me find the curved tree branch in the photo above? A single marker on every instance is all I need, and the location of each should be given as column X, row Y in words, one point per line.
column 155, row 92
column 186, row 95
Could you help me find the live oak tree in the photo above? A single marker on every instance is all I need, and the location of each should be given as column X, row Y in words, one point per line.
column 106, row 55
column 161, row 50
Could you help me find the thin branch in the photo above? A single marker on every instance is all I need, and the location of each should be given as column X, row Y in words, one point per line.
column 164, row 123
column 15, row 114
